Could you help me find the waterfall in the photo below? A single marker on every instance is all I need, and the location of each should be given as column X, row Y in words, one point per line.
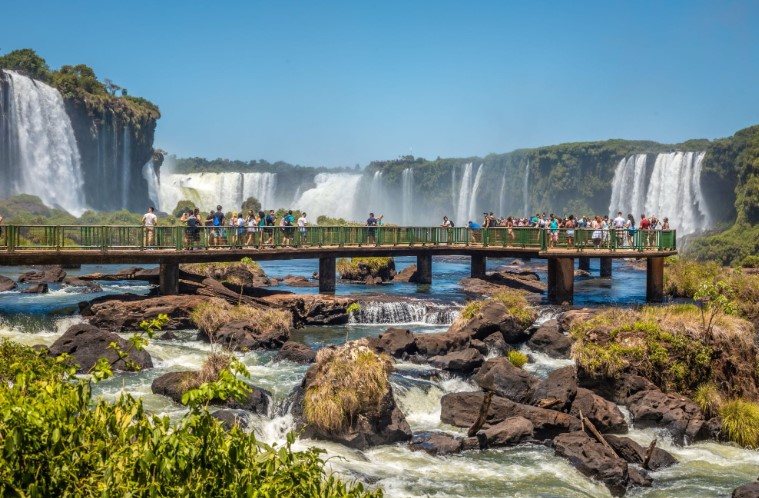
column 462, row 208
column 502, row 196
column 526, row 190
column 473, row 198
column 405, row 312
column 675, row 192
column 334, row 195
column 376, row 191
column 126, row 165
column 43, row 158
column 150, row 176
column 407, row 189
column 629, row 186
column 262, row 186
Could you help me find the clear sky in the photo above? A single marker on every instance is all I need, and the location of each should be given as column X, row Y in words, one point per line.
column 340, row 83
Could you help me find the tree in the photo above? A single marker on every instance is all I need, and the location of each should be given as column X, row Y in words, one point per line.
column 26, row 61
column 182, row 206
column 252, row 204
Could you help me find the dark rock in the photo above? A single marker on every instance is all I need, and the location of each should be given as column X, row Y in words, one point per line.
column 436, row 443
column 493, row 316
column 359, row 271
column 313, row 309
column 298, row 281
column 632, row 452
column 747, row 491
column 557, row 391
column 712, row 429
column 511, row 431
column 88, row 286
column 396, row 342
column 126, row 312
column 464, row 361
column 504, row 379
column 174, row 384
column 407, row 274
column 428, row 345
column 479, row 346
column 497, row 282
column 36, row 289
column 168, row 336
column 47, row 276
column 6, row 284
column 547, row 339
column 87, row 344
column 495, row 343
column 604, row 415
column 296, row 353
column 463, row 409
column 594, row 460
column 246, row 335
column 638, row 477
column 232, row 418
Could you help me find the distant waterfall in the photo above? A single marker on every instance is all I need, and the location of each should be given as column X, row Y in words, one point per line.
column 502, row 196
column 407, row 189
column 206, row 190
column 475, row 189
column 672, row 190
column 150, row 176
column 377, row 200
column 405, row 312
column 334, row 195
column 126, row 165
column 42, row 155
column 262, row 186
column 465, row 188
column 526, row 191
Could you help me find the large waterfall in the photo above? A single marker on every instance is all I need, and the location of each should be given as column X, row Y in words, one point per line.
column 407, row 201
column 672, row 189
column 154, row 187
column 334, row 195
column 526, row 191
column 41, row 156
column 466, row 206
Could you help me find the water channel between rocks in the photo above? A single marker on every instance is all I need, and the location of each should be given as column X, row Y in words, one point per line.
column 705, row 469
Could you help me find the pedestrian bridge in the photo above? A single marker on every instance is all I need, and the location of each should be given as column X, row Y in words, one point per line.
column 170, row 246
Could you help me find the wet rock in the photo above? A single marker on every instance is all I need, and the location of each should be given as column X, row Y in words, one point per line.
column 313, row 309
column 126, row 312
column 499, row 376
column 246, row 335
column 407, row 274
column 605, row 415
column 497, row 282
column 296, row 353
column 511, row 431
column 497, row 344
column 493, row 316
column 582, row 273
column 6, row 284
column 638, row 477
column 87, row 286
column 396, row 342
column 712, row 429
column 87, row 344
column 436, row 443
column 557, row 391
column 47, row 276
column 428, row 345
column 36, row 289
column 594, row 460
column 232, row 418
column 747, row 491
column 463, row 409
column 298, row 281
column 632, row 452
column 168, row 336
column 549, row 340
column 174, row 384
column 464, row 361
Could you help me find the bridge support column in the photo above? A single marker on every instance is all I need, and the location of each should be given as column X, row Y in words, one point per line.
column 423, row 269
column 327, row 274
column 583, row 264
column 654, row 280
column 561, row 280
column 168, row 279
column 605, row 267
column 479, row 265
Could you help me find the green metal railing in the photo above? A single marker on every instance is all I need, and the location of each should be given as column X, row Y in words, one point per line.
column 104, row 238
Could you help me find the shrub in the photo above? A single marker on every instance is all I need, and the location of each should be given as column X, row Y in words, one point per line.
column 349, row 380
column 212, row 314
column 740, row 422
column 708, row 398
column 515, row 303
column 682, row 277
column 517, row 358
column 471, row 309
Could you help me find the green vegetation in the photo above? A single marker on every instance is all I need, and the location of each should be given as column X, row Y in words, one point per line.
column 79, row 83
column 515, row 303
column 708, row 399
column 355, row 266
column 471, row 309
column 211, row 315
column 349, row 380
column 740, row 422
column 517, row 358
column 60, row 441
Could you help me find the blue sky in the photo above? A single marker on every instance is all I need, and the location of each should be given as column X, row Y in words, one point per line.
column 341, row 83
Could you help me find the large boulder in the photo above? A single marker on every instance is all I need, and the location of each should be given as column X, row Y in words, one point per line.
column 41, row 288
column 747, row 491
column 174, row 384
column 396, row 342
column 557, row 391
column 436, row 443
column 247, row 335
column 46, row 276
column 87, row 344
column 436, row 344
column 549, row 340
column 296, row 353
column 632, row 452
column 6, row 284
column 313, row 309
column 232, row 418
column 605, row 415
column 463, row 409
column 83, row 286
column 594, row 460
column 511, row 431
column 492, row 316
column 501, row 377
column 407, row 274
column 464, row 361
column 125, row 313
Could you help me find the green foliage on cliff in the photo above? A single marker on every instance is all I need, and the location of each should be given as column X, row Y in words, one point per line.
column 27, row 62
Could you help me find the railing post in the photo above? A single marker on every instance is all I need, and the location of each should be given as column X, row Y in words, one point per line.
column 11, row 238
column 58, row 237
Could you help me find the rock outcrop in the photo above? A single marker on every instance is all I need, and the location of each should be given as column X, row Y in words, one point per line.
column 248, row 334
column 124, row 313
column 7, row 284
column 87, row 344
column 296, row 353
column 499, row 376
column 594, row 460
column 46, row 276
column 313, row 309
column 549, row 340
column 174, row 384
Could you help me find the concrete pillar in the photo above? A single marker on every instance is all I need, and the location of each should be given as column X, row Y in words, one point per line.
column 423, row 269
column 327, row 274
column 583, row 264
column 605, row 267
column 168, row 279
column 479, row 265
column 654, row 280
column 561, row 280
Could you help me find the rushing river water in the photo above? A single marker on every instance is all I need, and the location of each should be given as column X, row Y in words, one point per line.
column 705, row 469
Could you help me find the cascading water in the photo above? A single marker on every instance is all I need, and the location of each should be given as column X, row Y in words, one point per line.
column 407, row 189
column 672, row 190
column 262, row 186
column 43, row 158
column 502, row 196
column 462, row 207
column 526, row 191
column 475, row 189
column 126, row 165
column 150, row 176
column 404, row 312
column 377, row 198
column 334, row 195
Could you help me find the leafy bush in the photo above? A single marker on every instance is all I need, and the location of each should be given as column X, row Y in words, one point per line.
column 740, row 422
column 517, row 358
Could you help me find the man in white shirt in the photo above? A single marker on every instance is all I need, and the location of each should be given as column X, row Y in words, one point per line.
column 149, row 220
column 619, row 228
column 302, row 222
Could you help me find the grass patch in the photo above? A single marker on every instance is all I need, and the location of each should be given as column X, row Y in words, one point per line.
column 740, row 422
column 471, row 309
column 682, row 277
column 209, row 371
column 517, row 358
column 212, row 314
column 515, row 303
column 708, row 398
column 349, row 380
column 357, row 267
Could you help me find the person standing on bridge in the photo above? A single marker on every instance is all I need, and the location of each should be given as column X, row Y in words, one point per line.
column 149, row 221
column 371, row 222
column 218, row 225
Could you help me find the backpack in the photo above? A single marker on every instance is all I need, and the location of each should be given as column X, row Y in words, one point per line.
column 452, row 224
column 288, row 220
column 217, row 220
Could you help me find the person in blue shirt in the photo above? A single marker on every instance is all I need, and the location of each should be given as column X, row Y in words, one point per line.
column 474, row 230
column 553, row 227
column 372, row 223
